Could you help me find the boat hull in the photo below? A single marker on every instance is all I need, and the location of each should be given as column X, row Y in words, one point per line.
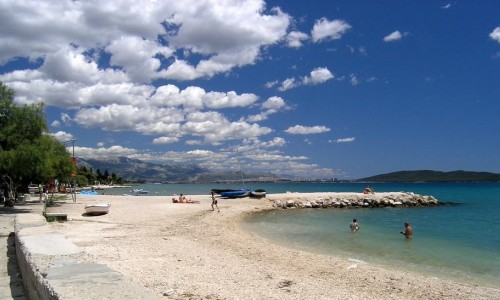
column 235, row 194
column 137, row 192
column 219, row 191
column 97, row 209
column 258, row 193
column 88, row 192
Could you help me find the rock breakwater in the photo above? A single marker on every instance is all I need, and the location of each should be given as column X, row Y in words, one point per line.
column 356, row 200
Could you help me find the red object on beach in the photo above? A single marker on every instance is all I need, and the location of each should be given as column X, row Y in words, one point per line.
column 73, row 160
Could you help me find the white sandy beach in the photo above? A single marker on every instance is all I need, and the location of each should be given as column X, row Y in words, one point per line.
column 188, row 251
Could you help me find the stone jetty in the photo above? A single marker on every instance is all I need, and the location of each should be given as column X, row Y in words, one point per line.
column 356, row 200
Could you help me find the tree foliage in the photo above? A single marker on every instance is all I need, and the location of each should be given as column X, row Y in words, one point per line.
column 27, row 152
column 86, row 177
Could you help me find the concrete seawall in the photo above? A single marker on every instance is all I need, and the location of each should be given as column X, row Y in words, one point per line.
column 53, row 267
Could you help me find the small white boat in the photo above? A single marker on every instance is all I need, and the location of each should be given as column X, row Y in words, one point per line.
column 97, row 209
column 260, row 193
column 139, row 192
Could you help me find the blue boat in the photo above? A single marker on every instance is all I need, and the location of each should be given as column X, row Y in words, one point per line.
column 235, row 193
column 88, row 192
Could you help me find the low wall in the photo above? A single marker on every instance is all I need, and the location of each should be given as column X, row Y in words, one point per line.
column 52, row 267
column 34, row 284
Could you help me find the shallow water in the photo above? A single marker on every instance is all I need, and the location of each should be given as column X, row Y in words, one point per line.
column 457, row 242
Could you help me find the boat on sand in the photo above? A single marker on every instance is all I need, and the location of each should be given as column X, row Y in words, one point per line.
column 259, row 193
column 97, row 209
column 219, row 191
column 235, row 193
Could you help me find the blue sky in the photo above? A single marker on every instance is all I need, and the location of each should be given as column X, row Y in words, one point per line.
column 338, row 89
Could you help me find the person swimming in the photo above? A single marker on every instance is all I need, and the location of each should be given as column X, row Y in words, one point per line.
column 408, row 233
column 354, row 225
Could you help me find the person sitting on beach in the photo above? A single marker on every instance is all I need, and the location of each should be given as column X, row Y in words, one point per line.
column 408, row 233
column 354, row 225
column 174, row 199
column 368, row 190
column 183, row 199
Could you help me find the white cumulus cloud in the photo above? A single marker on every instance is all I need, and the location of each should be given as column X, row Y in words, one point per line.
column 165, row 140
column 299, row 129
column 345, row 140
column 495, row 34
column 394, row 36
column 62, row 136
column 294, row 39
column 317, row 76
column 324, row 29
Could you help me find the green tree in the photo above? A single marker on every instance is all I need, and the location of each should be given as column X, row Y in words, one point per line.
column 106, row 176
column 27, row 152
column 99, row 175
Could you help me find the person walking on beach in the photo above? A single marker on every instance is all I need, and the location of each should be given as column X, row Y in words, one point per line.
column 408, row 233
column 354, row 225
column 214, row 202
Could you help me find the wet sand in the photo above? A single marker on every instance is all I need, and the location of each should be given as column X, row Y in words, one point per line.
column 188, row 251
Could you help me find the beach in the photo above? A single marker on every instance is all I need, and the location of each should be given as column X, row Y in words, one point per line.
column 188, row 251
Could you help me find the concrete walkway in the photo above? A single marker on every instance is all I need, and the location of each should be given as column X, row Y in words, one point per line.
column 11, row 283
column 51, row 265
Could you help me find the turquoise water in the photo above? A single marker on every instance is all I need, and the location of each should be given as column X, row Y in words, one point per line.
column 459, row 242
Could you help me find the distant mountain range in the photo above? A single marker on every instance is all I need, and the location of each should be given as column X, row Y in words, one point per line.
column 434, row 176
column 138, row 170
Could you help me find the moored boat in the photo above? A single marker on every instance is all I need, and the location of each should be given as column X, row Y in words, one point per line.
column 235, row 193
column 88, row 192
column 139, row 192
column 219, row 191
column 97, row 209
column 259, row 193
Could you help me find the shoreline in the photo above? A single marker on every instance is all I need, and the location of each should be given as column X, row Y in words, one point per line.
column 188, row 251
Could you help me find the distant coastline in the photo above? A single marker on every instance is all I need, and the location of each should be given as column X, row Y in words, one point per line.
column 433, row 176
column 134, row 171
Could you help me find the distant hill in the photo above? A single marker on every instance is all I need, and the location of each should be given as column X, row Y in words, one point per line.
column 434, row 176
column 138, row 170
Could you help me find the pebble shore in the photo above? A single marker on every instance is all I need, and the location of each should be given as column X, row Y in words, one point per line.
column 188, row 251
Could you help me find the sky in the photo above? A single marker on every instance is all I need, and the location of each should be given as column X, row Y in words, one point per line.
column 323, row 89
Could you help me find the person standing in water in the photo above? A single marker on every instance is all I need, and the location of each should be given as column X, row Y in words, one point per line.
column 354, row 225
column 408, row 233
column 214, row 202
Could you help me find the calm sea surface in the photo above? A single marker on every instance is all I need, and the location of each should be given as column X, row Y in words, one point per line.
column 459, row 242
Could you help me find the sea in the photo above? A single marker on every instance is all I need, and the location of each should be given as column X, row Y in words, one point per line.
column 460, row 242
